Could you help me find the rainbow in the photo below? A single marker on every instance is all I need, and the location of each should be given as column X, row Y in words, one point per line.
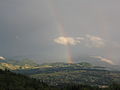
column 104, row 29
column 62, row 32
column 61, row 28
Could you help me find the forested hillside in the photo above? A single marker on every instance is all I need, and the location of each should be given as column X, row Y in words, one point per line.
column 80, row 73
column 12, row 81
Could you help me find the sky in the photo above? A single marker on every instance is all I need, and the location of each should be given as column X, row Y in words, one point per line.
column 52, row 30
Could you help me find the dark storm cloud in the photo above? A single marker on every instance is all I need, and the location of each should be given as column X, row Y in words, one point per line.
column 28, row 27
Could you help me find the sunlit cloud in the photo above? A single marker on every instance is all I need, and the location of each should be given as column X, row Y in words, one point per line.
column 94, row 41
column 104, row 60
column 2, row 58
column 67, row 40
column 87, row 40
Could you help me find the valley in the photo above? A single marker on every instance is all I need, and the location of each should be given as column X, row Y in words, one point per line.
column 63, row 73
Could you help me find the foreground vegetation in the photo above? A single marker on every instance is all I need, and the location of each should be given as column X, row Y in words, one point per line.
column 13, row 81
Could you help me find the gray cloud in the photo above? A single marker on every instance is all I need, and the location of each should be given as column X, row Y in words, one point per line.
column 28, row 26
column 94, row 41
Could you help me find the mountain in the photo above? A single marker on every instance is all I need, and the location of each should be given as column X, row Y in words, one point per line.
column 98, row 61
column 25, row 63
column 60, row 73
column 18, row 64
column 9, row 66
column 94, row 60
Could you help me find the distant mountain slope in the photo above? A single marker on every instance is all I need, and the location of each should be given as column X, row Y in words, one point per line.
column 94, row 60
column 18, row 64
column 98, row 61
column 26, row 63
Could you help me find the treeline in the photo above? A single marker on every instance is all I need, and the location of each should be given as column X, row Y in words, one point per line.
column 87, row 87
column 13, row 81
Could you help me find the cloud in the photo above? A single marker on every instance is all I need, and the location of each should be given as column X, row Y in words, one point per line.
column 94, row 41
column 2, row 58
column 114, row 44
column 67, row 40
column 104, row 60
column 88, row 41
